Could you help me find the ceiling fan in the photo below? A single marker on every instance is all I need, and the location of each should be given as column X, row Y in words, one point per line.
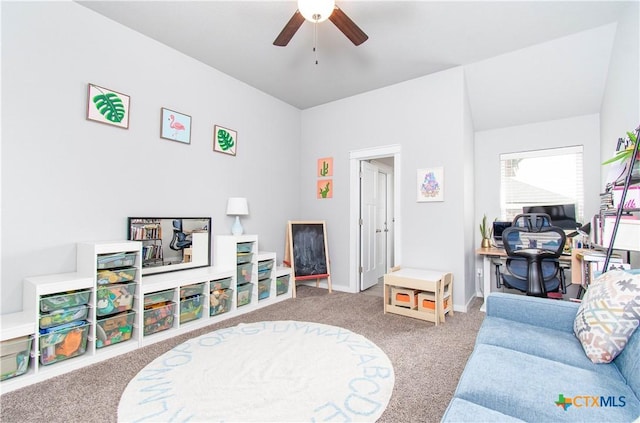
column 318, row 11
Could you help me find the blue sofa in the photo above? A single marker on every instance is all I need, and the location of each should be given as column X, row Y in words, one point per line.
column 526, row 360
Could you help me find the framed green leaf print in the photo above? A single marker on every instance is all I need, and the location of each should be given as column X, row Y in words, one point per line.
column 225, row 140
column 108, row 106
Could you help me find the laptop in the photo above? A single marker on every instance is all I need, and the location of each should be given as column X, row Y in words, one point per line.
column 498, row 228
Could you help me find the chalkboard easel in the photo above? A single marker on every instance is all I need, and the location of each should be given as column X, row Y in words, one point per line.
column 307, row 253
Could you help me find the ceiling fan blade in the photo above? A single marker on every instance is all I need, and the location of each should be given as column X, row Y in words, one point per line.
column 348, row 27
column 289, row 30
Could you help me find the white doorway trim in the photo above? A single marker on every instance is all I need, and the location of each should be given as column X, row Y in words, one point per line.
column 354, row 207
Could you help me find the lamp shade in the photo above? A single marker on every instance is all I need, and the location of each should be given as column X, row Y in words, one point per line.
column 237, row 206
column 316, row 10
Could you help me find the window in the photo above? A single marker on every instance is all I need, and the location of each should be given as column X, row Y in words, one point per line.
column 541, row 177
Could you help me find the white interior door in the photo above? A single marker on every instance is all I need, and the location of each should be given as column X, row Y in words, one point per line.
column 368, row 216
column 381, row 231
column 392, row 155
column 371, row 231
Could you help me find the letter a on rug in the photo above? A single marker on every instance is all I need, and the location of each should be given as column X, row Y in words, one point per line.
column 281, row 371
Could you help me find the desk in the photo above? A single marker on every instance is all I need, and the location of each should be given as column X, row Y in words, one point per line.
column 498, row 253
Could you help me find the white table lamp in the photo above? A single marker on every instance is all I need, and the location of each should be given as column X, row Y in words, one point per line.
column 237, row 206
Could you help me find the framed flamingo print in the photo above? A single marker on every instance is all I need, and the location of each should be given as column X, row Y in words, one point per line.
column 175, row 126
column 108, row 106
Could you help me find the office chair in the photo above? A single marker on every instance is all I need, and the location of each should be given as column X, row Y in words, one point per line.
column 180, row 240
column 533, row 248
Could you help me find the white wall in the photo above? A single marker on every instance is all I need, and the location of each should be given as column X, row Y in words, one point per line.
column 469, row 199
column 425, row 116
column 581, row 130
column 66, row 179
column 621, row 101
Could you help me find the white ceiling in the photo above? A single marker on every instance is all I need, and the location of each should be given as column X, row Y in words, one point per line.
column 407, row 39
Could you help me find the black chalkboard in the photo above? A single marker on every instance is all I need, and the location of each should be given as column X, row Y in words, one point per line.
column 308, row 246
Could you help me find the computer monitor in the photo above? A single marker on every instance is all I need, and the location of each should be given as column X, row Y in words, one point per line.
column 562, row 215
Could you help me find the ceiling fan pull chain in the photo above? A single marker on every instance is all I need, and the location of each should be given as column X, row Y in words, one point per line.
column 315, row 40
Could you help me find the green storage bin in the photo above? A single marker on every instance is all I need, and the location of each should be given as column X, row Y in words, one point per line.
column 244, row 294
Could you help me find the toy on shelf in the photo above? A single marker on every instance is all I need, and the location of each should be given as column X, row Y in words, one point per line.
column 114, row 329
column 62, row 342
column 114, row 298
column 158, row 317
column 62, row 316
column 220, row 301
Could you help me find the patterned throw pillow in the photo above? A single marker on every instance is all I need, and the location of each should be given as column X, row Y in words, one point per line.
column 608, row 315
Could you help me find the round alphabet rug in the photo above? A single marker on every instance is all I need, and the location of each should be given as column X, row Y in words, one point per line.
column 280, row 371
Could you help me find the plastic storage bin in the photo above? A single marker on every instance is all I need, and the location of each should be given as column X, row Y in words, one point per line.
column 158, row 297
column 158, row 317
column 244, row 247
column 114, row 329
column 191, row 290
column 63, row 342
column 62, row 316
column 191, row 308
column 114, row 298
column 282, row 284
column 60, row 301
column 110, row 261
column 264, row 269
column 244, row 258
column 244, row 294
column 116, row 275
column 221, row 284
column 15, row 357
column 220, row 301
column 244, row 273
column 264, row 289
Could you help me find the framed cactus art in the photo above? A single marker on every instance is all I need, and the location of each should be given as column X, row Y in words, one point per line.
column 225, row 140
column 324, row 188
column 325, row 167
column 108, row 106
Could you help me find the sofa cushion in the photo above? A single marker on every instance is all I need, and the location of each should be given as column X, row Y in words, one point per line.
column 555, row 345
column 527, row 387
column 460, row 410
column 608, row 315
column 628, row 363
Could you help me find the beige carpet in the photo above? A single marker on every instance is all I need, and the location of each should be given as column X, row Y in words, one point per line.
column 427, row 361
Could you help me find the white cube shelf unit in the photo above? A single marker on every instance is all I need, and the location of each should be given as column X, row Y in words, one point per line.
column 173, row 283
column 229, row 250
column 115, row 268
column 96, row 262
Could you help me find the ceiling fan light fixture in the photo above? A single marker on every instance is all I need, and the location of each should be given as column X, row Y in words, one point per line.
column 316, row 10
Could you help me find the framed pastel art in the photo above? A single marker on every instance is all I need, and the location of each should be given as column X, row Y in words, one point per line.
column 175, row 126
column 430, row 184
